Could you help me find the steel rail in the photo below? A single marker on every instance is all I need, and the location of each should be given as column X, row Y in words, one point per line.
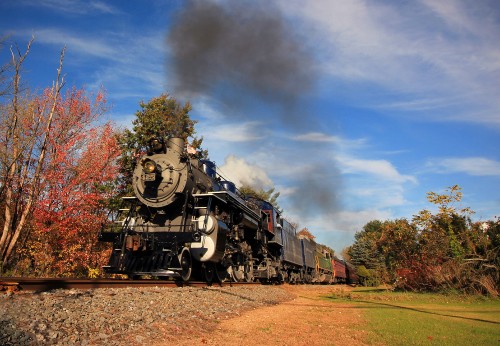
column 13, row 284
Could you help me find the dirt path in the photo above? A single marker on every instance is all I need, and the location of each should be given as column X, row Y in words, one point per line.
column 306, row 320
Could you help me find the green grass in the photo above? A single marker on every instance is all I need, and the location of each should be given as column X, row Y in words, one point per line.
column 396, row 318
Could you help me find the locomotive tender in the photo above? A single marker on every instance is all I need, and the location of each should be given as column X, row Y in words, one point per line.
column 186, row 222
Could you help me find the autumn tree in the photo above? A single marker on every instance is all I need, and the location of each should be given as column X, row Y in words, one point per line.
column 435, row 251
column 444, row 234
column 57, row 171
column 304, row 232
column 484, row 258
column 398, row 242
column 162, row 116
column 76, row 187
column 24, row 129
column 454, row 252
column 345, row 253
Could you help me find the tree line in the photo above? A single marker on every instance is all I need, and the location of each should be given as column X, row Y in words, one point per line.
column 435, row 251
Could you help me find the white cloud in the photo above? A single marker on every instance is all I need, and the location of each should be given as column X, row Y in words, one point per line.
column 460, row 18
column 340, row 143
column 371, row 183
column 241, row 173
column 208, row 109
column 366, row 192
column 128, row 65
column 382, row 169
column 358, row 42
column 237, row 132
column 75, row 7
column 283, row 159
column 343, row 220
column 96, row 47
column 476, row 166
column 316, row 137
column 434, row 54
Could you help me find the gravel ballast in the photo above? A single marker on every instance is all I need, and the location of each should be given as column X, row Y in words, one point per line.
column 125, row 316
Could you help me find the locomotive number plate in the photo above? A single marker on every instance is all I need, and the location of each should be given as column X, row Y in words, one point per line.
column 150, row 177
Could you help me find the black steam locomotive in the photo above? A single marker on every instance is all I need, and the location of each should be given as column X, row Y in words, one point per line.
column 186, row 222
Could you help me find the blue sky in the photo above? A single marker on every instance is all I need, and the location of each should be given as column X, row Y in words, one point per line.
column 368, row 105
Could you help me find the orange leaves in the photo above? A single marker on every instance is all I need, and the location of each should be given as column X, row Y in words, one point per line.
column 43, row 188
column 99, row 157
column 306, row 234
column 82, row 160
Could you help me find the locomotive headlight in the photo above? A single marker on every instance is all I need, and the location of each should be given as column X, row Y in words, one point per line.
column 149, row 167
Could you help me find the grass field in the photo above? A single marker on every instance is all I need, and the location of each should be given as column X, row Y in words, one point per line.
column 396, row 318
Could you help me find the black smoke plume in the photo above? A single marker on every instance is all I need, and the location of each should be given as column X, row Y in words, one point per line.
column 240, row 52
column 243, row 53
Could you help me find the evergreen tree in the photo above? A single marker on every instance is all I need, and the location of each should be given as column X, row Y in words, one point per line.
column 365, row 250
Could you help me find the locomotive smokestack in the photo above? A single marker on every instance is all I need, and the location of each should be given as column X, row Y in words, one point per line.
column 176, row 145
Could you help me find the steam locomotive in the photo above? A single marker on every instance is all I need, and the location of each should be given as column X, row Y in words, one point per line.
column 186, row 222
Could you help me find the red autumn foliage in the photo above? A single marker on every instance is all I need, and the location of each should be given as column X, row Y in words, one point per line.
column 306, row 234
column 77, row 181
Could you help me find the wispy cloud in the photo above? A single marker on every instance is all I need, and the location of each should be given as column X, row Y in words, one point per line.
column 108, row 46
column 93, row 46
column 459, row 17
column 476, row 166
column 344, row 219
column 339, row 142
column 237, row 132
column 433, row 54
column 316, row 137
column 103, row 7
column 75, row 7
column 127, row 64
column 381, row 169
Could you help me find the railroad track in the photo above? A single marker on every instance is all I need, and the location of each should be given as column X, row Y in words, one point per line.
column 14, row 284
